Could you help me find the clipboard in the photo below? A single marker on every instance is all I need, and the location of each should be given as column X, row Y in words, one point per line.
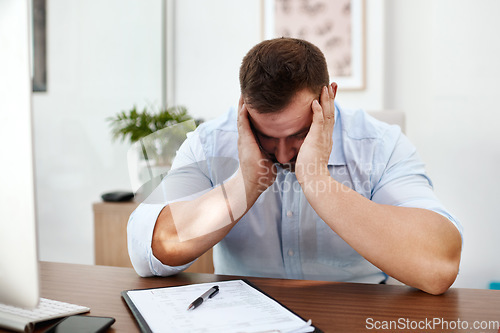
column 146, row 325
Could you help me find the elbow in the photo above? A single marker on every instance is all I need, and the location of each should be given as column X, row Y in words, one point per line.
column 439, row 281
column 444, row 269
column 439, row 286
column 172, row 253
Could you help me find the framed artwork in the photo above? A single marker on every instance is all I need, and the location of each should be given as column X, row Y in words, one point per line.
column 335, row 26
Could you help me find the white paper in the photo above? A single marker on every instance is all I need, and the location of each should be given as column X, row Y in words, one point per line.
column 237, row 307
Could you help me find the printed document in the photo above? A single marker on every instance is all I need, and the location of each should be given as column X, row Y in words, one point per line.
column 238, row 307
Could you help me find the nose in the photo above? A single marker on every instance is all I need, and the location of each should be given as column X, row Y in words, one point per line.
column 285, row 151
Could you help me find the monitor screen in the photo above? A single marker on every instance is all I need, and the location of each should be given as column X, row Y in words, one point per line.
column 19, row 284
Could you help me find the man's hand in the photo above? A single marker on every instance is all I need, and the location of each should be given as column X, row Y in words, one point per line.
column 257, row 170
column 314, row 153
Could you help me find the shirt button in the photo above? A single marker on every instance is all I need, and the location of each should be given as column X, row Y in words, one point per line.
column 290, row 252
column 289, row 213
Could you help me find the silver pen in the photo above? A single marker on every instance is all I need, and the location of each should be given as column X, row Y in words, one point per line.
column 208, row 294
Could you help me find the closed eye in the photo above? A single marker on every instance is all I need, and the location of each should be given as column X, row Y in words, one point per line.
column 267, row 137
column 301, row 135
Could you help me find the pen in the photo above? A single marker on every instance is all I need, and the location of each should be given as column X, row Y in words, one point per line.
column 208, row 294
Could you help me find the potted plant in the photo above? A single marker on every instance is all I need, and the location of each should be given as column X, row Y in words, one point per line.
column 136, row 125
column 154, row 136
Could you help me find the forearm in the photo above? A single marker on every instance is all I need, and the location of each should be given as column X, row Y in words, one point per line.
column 185, row 230
column 416, row 246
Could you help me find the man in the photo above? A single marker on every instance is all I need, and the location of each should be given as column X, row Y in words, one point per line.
column 292, row 186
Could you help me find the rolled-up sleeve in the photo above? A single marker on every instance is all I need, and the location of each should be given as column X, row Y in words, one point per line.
column 183, row 180
column 140, row 234
column 403, row 180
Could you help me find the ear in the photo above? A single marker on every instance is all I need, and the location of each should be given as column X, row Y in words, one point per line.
column 334, row 88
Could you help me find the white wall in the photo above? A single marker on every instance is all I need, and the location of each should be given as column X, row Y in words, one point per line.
column 443, row 70
column 212, row 37
column 103, row 57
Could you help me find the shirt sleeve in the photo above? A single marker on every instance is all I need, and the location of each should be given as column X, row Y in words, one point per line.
column 185, row 180
column 401, row 179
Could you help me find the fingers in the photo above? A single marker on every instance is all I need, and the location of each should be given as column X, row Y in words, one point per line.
column 327, row 101
column 240, row 103
column 242, row 114
column 244, row 129
column 317, row 113
column 324, row 109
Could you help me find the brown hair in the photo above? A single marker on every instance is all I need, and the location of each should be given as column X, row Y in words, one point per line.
column 273, row 71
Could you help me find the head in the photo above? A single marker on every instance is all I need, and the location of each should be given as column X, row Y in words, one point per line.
column 279, row 80
column 273, row 71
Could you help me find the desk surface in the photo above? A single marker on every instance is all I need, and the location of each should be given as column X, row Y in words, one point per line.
column 333, row 307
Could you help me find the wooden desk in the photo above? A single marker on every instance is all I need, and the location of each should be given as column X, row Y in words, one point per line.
column 110, row 232
column 110, row 237
column 333, row 307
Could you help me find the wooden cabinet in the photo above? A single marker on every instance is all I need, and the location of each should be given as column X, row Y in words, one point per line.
column 110, row 237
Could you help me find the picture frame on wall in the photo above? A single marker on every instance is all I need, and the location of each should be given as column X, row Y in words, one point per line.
column 337, row 27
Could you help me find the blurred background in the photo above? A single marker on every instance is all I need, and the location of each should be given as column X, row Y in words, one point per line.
column 435, row 60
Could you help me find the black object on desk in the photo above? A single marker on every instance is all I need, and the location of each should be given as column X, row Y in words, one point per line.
column 117, row 196
column 83, row 324
column 208, row 294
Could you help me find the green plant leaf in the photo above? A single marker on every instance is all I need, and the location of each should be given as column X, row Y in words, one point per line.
column 133, row 125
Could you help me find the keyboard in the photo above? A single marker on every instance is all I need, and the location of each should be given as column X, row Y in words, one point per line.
column 22, row 320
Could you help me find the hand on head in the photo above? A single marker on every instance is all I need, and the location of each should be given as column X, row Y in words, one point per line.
column 316, row 149
column 256, row 165
column 257, row 170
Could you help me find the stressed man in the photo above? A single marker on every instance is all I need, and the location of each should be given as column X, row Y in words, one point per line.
column 290, row 185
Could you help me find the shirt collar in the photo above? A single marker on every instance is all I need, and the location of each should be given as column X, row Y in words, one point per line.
column 337, row 156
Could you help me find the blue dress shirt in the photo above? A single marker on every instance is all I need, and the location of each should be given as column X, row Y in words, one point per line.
column 281, row 236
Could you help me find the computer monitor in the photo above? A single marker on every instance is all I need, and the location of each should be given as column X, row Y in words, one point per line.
column 19, row 275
